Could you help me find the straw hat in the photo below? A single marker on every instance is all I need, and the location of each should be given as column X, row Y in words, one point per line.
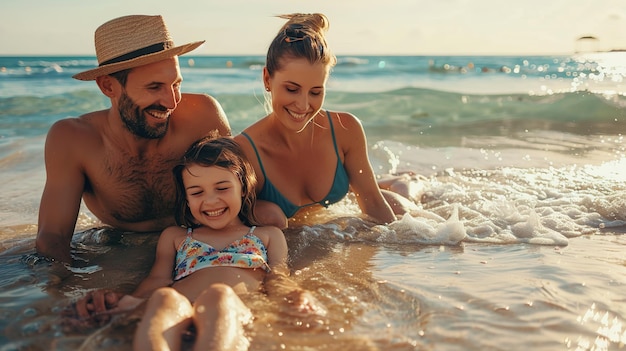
column 132, row 41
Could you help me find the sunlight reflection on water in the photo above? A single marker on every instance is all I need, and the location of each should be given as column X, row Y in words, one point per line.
column 610, row 331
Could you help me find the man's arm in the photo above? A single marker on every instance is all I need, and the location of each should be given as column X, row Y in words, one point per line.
column 61, row 198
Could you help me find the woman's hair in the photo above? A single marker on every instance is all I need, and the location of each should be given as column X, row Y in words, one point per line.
column 221, row 152
column 301, row 37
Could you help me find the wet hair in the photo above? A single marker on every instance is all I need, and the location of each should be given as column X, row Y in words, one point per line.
column 303, row 36
column 221, row 152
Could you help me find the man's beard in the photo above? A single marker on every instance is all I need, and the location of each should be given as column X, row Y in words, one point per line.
column 136, row 122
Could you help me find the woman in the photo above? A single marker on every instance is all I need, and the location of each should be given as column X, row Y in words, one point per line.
column 306, row 157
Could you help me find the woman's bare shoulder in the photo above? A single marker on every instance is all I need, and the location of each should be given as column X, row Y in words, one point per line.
column 257, row 127
column 345, row 119
column 348, row 129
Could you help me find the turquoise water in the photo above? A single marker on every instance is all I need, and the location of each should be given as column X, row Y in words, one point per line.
column 518, row 243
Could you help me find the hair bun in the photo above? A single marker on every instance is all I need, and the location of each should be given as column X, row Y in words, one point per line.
column 295, row 30
column 316, row 22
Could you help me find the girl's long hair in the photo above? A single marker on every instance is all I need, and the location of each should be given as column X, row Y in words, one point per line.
column 221, row 152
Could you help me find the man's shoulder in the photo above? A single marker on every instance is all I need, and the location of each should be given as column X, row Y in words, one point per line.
column 197, row 101
column 85, row 126
column 201, row 111
column 78, row 138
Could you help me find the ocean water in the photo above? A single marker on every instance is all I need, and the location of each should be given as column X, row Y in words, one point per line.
column 518, row 243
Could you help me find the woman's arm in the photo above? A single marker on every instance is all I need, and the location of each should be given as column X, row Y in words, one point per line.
column 352, row 141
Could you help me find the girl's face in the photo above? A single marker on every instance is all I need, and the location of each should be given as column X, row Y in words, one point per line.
column 213, row 195
column 298, row 91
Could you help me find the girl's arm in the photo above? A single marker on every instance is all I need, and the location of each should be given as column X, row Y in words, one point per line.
column 161, row 273
column 278, row 282
column 362, row 179
column 104, row 301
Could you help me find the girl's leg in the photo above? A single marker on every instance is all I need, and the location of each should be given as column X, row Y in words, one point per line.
column 167, row 316
column 219, row 316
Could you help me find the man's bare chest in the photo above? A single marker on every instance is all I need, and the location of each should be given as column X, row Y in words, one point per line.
column 134, row 189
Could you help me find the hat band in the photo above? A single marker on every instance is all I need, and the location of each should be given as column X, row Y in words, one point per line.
column 139, row 52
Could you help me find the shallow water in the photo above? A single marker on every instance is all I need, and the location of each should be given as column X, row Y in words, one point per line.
column 517, row 243
column 380, row 296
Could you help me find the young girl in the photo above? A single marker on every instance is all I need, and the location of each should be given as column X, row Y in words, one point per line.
column 306, row 157
column 215, row 254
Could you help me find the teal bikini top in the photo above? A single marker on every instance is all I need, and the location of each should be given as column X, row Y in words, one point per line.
column 339, row 189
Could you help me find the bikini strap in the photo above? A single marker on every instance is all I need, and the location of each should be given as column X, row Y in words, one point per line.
column 189, row 231
column 332, row 132
column 251, row 229
column 257, row 153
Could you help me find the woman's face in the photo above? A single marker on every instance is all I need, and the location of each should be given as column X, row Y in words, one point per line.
column 298, row 90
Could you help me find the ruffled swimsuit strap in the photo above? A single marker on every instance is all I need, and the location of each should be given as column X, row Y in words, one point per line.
column 185, row 243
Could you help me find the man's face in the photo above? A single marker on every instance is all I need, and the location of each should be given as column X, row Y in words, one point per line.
column 151, row 94
column 136, row 120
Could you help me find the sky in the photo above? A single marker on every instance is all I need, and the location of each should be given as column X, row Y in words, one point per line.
column 357, row 27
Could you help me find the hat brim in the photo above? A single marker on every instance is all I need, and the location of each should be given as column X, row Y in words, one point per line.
column 136, row 62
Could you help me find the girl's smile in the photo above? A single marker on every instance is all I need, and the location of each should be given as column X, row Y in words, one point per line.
column 213, row 195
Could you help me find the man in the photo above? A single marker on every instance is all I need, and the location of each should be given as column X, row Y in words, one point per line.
column 119, row 160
